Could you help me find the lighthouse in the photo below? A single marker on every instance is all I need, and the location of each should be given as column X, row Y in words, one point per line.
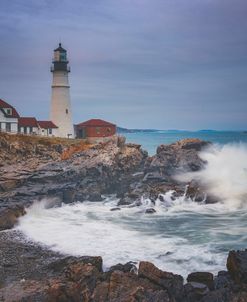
column 61, row 114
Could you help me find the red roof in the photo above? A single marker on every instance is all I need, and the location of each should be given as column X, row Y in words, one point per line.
column 47, row 124
column 27, row 122
column 14, row 114
column 95, row 123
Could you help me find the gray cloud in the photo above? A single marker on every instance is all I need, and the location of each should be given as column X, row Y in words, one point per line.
column 140, row 63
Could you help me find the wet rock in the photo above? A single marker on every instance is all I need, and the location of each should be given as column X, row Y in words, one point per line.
column 60, row 264
column 115, row 209
column 197, row 193
column 195, row 291
column 125, row 287
column 202, row 277
column 220, row 295
column 27, row 290
column 69, row 195
column 178, row 157
column 9, row 184
column 238, row 297
column 223, row 280
column 237, row 266
column 171, row 282
column 126, row 200
column 154, row 176
column 127, row 267
column 9, row 216
column 150, row 211
column 101, row 291
column 141, row 294
column 95, row 197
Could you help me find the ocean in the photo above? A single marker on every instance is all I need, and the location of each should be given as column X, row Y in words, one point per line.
column 151, row 140
column 181, row 237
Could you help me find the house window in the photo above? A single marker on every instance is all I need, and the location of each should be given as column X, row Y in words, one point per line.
column 8, row 127
column 97, row 130
column 67, row 111
column 109, row 130
column 8, row 111
column 50, row 131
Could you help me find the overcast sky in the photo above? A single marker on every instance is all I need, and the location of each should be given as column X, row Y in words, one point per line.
column 166, row 64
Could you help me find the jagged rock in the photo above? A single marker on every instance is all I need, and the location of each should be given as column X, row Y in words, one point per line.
column 9, row 216
column 26, row 290
column 95, row 197
column 197, row 193
column 177, row 157
column 102, row 169
column 30, row 273
column 126, row 200
column 68, row 195
column 195, row 291
column 237, row 266
column 221, row 295
column 60, row 264
column 223, row 280
column 150, row 211
column 125, row 287
column 202, row 277
column 154, row 176
column 115, row 209
column 172, row 283
column 127, row 267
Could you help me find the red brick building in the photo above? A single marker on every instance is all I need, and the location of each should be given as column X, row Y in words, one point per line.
column 95, row 130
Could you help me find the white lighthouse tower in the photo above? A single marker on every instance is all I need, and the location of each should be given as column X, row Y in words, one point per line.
column 61, row 114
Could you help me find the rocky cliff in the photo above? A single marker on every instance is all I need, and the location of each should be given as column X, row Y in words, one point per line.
column 32, row 169
column 113, row 167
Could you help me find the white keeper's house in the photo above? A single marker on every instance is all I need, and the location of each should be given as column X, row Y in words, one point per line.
column 8, row 117
column 11, row 122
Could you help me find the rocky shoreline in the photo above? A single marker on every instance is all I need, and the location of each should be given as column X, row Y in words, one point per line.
column 31, row 172
column 29, row 272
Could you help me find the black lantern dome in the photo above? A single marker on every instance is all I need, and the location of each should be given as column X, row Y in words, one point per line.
column 60, row 62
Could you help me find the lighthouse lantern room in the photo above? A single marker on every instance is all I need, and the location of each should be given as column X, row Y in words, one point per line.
column 61, row 114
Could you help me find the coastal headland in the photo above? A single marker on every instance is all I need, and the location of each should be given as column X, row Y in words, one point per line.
column 67, row 171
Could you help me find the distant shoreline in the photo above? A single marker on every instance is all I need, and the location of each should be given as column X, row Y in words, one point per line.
column 121, row 130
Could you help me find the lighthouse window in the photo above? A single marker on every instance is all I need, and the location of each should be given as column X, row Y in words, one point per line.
column 62, row 56
column 67, row 111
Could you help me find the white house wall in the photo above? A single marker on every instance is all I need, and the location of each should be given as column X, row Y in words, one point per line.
column 4, row 120
column 45, row 132
column 35, row 130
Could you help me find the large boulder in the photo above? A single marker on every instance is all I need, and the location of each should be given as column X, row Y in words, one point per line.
column 237, row 266
column 202, row 277
column 125, row 287
column 169, row 281
column 10, row 215
column 181, row 156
